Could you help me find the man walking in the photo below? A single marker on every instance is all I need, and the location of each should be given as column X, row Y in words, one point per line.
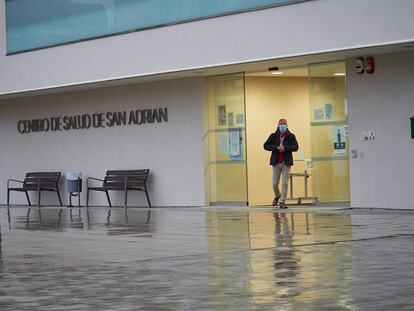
column 281, row 143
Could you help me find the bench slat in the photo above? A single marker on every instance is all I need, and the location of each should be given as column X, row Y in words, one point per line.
column 121, row 185
column 44, row 174
column 127, row 178
column 40, row 180
column 42, row 185
column 127, row 172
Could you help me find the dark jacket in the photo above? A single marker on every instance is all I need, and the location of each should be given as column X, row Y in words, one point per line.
column 290, row 143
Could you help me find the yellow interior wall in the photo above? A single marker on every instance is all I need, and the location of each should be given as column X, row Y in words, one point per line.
column 332, row 180
column 229, row 183
column 267, row 100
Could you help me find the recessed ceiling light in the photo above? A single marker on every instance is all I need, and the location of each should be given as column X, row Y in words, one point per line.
column 277, row 73
column 339, row 74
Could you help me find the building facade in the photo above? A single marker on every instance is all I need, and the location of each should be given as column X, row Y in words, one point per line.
column 188, row 92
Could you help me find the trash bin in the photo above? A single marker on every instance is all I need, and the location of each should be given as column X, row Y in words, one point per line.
column 74, row 185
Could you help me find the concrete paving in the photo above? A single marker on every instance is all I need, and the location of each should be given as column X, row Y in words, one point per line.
column 210, row 258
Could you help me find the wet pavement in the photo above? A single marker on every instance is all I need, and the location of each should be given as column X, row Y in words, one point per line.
column 224, row 258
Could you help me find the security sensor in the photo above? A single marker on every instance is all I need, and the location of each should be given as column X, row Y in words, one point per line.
column 273, row 68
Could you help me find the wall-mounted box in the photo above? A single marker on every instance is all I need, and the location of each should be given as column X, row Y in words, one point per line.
column 412, row 127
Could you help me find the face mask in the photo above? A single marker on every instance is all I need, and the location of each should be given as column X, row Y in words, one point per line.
column 282, row 128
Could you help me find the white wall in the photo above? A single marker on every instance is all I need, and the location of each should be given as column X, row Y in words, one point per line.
column 383, row 102
column 173, row 151
column 303, row 28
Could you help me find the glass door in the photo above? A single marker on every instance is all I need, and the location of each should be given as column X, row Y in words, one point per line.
column 329, row 163
column 225, row 140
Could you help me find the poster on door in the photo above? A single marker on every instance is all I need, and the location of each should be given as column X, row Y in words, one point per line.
column 236, row 144
column 338, row 136
column 224, row 143
column 221, row 115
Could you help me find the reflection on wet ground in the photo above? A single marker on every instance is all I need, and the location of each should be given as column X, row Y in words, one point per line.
column 206, row 259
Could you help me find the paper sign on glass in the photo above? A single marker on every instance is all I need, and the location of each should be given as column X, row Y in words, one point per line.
column 234, row 143
column 223, row 143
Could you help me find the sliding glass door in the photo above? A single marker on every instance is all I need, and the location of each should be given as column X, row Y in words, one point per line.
column 329, row 132
column 225, row 140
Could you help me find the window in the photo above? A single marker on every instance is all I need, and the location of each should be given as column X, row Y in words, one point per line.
column 33, row 24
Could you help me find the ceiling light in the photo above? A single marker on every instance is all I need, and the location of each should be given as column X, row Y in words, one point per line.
column 277, row 73
column 339, row 74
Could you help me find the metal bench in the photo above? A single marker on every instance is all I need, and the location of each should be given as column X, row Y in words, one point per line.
column 36, row 181
column 121, row 180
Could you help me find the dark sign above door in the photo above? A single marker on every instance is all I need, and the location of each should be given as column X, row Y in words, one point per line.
column 95, row 120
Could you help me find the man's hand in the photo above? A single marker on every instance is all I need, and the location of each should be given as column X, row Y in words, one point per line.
column 281, row 148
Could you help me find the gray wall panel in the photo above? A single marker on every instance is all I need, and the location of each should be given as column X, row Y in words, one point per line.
column 382, row 102
column 172, row 150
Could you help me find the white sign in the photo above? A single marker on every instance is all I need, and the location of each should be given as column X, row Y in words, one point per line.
column 346, row 130
column 338, row 135
column 224, row 143
column 234, row 143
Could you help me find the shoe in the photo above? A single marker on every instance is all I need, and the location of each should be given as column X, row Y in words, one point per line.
column 283, row 205
column 275, row 201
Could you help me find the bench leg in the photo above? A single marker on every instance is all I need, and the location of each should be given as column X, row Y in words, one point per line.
column 60, row 199
column 38, row 202
column 148, row 199
column 126, row 199
column 87, row 198
column 126, row 216
column 109, row 200
column 28, row 200
column 8, row 197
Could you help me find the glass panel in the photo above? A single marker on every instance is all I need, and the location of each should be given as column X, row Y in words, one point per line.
column 40, row 23
column 329, row 132
column 226, row 139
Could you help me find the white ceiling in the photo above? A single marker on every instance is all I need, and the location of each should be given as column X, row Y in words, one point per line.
column 287, row 72
column 318, row 70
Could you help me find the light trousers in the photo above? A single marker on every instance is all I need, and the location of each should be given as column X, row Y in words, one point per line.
column 280, row 170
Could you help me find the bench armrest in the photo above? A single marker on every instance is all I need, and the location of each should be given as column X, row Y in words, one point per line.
column 92, row 178
column 15, row 180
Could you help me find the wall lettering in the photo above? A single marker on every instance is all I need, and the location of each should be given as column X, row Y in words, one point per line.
column 95, row 120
